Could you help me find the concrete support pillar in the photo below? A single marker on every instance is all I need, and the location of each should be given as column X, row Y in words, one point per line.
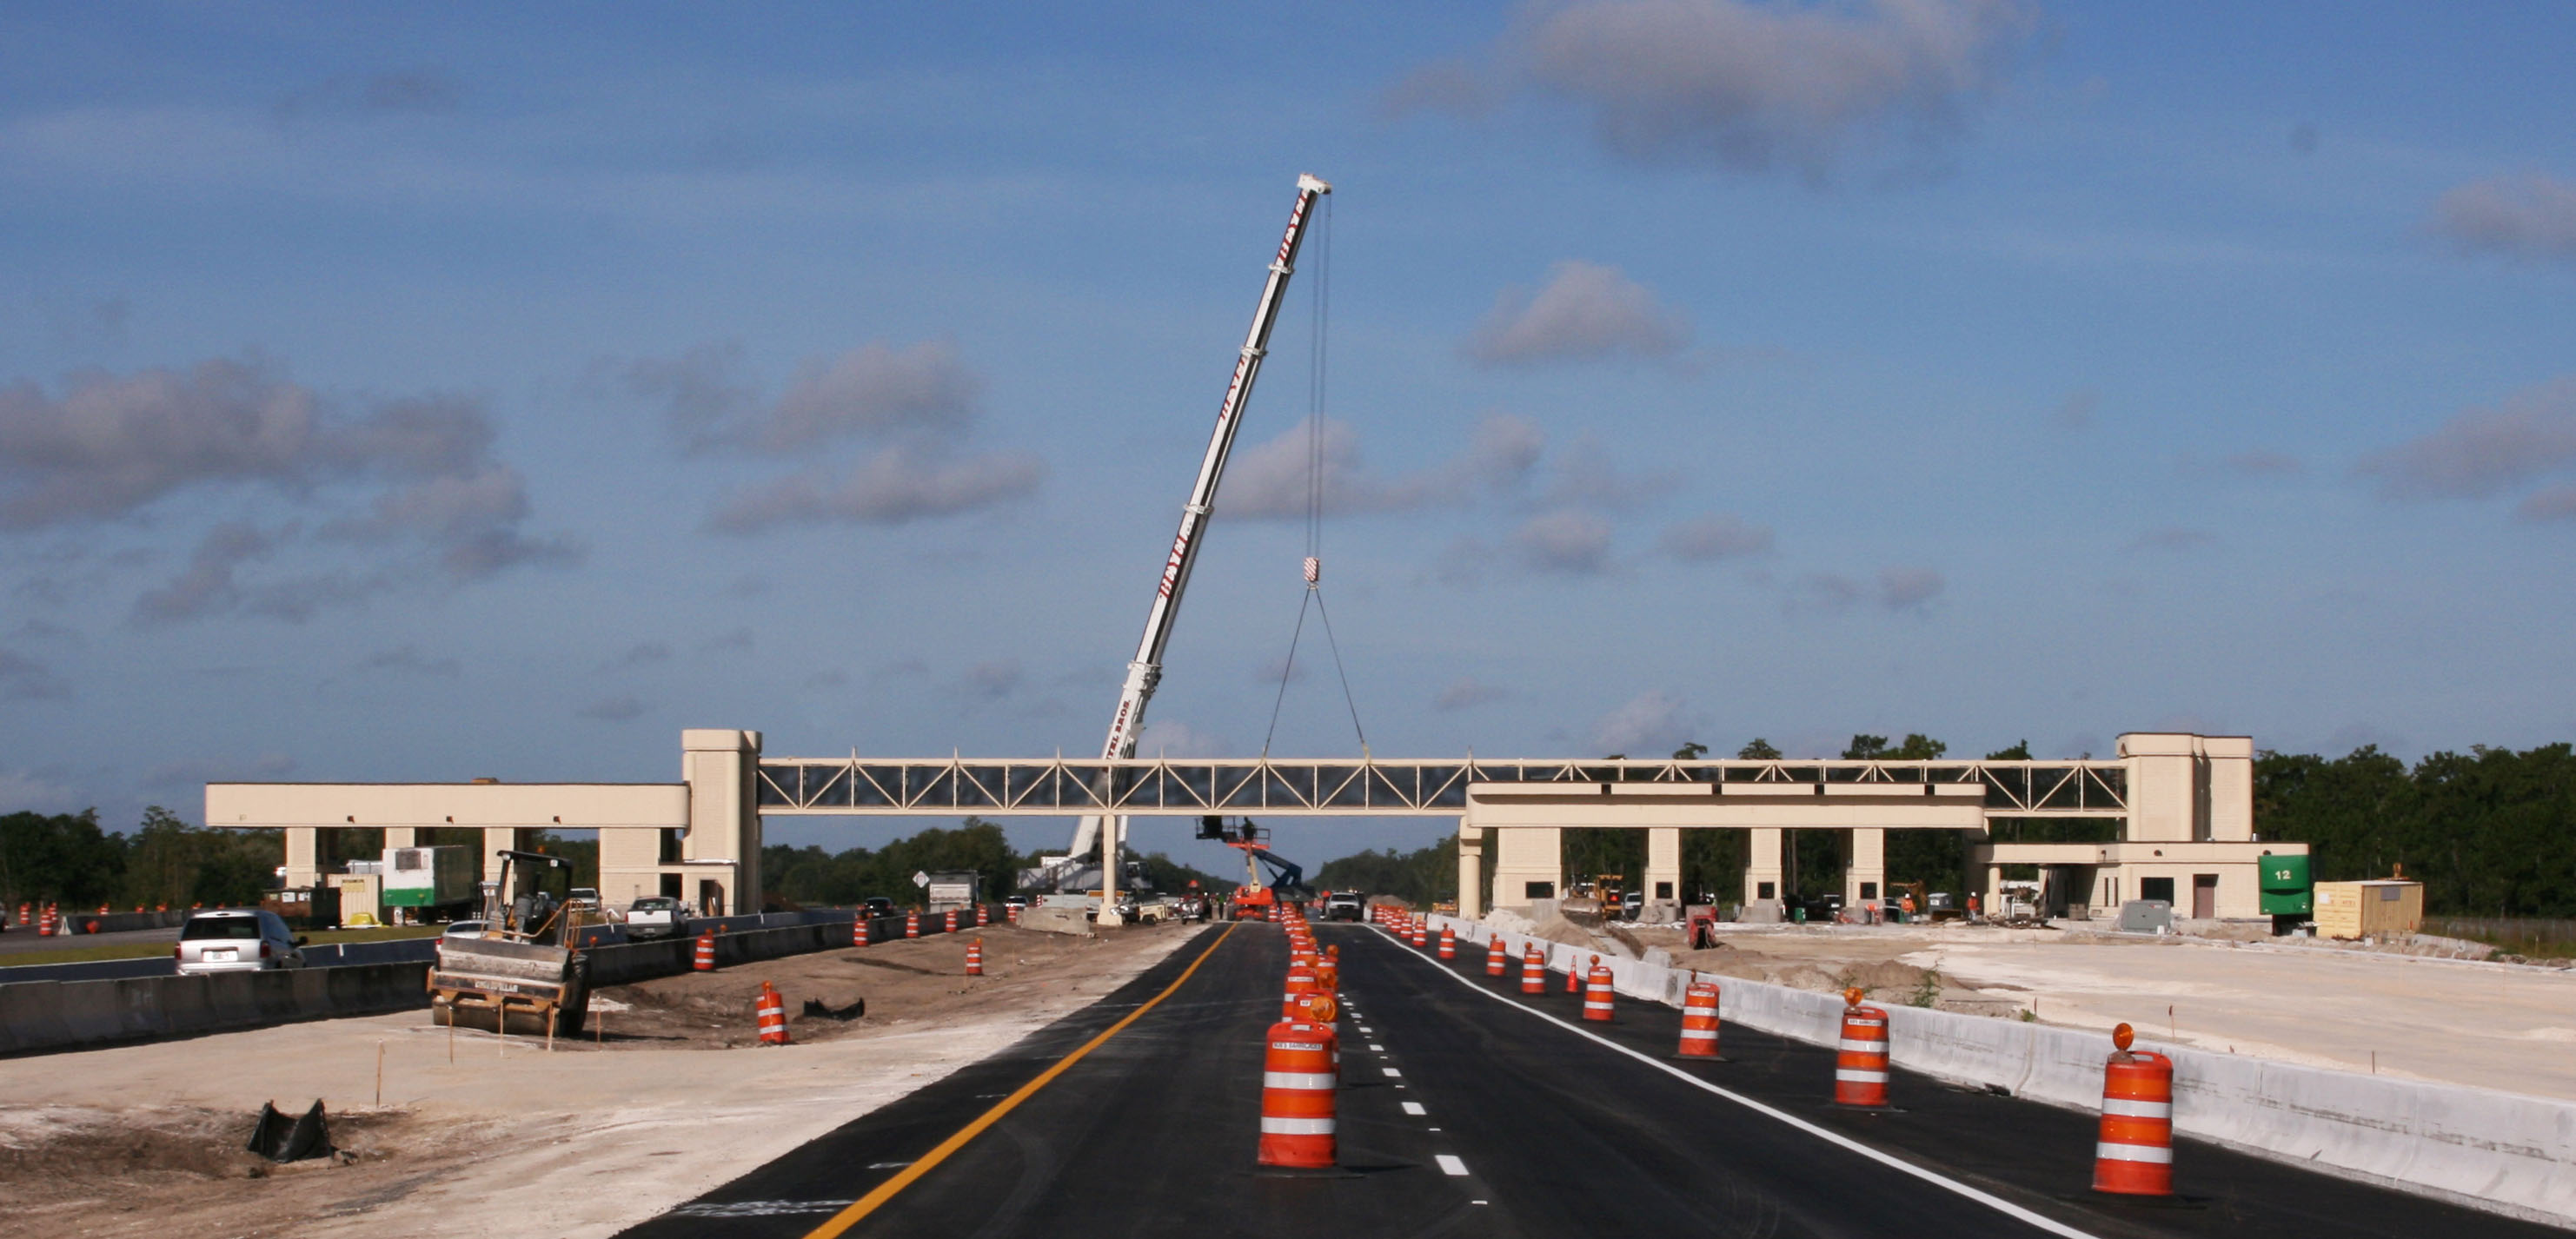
column 303, row 856
column 1664, row 865
column 2230, row 775
column 1471, row 871
column 1763, row 868
column 1866, row 878
column 401, row 837
column 1528, row 864
column 722, row 768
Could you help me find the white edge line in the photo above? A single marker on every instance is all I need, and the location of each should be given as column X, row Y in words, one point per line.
column 1997, row 1203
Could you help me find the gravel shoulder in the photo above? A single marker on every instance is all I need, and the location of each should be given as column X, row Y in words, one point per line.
column 674, row 1099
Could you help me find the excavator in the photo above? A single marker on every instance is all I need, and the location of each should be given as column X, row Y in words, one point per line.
column 521, row 970
column 1252, row 900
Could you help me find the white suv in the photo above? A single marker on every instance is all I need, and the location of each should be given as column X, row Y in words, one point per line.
column 237, row 940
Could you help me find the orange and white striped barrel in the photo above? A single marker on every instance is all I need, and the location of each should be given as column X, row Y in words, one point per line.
column 1448, row 943
column 1533, row 971
column 1297, row 1083
column 983, row 915
column 975, row 958
column 912, row 922
column 1496, row 958
column 1860, row 1064
column 23, row 911
column 949, row 925
column 1421, row 932
column 2134, row 1156
column 1597, row 995
column 772, row 1013
column 859, row 929
column 1699, row 1020
column 1301, row 986
column 706, row 957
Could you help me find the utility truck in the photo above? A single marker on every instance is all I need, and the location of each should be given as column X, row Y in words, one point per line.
column 427, row 884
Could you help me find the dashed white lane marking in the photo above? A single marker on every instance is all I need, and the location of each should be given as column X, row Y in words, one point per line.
column 1414, row 1107
column 1934, row 1177
column 1391, row 1071
column 1430, row 1129
column 1375, row 1048
column 1450, row 1165
column 1365, row 1028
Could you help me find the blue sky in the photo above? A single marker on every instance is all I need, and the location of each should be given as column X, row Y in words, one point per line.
column 482, row 392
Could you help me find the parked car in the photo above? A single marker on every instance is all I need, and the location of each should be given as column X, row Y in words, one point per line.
column 237, row 940
column 1344, row 906
column 657, row 916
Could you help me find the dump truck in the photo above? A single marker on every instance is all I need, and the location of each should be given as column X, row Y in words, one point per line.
column 522, row 972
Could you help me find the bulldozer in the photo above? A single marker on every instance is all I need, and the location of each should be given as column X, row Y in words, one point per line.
column 521, row 972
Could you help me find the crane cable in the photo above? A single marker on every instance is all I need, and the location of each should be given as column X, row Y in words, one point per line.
column 1318, row 371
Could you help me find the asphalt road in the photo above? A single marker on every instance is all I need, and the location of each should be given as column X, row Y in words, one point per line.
column 1465, row 1112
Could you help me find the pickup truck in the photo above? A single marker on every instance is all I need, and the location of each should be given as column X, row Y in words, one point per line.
column 657, row 916
column 1344, row 906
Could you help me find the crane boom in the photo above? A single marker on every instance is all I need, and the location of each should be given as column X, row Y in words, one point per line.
column 1146, row 669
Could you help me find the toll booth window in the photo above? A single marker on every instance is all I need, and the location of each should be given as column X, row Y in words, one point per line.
column 1765, row 890
column 1538, row 890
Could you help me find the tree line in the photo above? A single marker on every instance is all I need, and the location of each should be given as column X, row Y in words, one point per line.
column 69, row 859
column 811, row 876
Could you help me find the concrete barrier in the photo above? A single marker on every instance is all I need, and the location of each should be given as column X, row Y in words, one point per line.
column 2499, row 1152
column 37, row 1016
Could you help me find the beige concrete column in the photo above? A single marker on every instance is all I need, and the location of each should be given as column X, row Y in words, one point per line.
column 1763, row 867
column 2229, row 771
column 1471, row 871
column 303, row 856
column 400, row 837
column 496, row 839
column 1868, row 868
column 2164, row 787
column 1664, row 865
column 1528, row 864
column 722, row 768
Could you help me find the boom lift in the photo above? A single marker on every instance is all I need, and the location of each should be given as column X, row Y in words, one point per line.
column 1287, row 877
column 1075, row 870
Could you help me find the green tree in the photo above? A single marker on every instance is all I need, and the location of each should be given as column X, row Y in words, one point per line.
column 1420, row 877
column 1758, row 750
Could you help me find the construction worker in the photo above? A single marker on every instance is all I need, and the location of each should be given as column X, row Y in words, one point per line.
column 1972, row 905
column 1908, row 904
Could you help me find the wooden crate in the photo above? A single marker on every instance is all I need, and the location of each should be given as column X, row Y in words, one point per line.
column 2384, row 908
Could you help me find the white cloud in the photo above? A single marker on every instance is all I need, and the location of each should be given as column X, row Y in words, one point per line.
column 1466, row 693
column 1704, row 538
column 895, row 485
column 872, row 389
column 1174, row 738
column 2483, row 452
column 1565, row 540
column 1903, row 588
column 1270, row 479
column 2556, row 504
column 1897, row 589
column 1749, row 87
column 2529, row 216
column 1649, row 725
column 1584, row 312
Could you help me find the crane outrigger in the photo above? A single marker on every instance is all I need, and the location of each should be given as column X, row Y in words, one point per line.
column 1108, row 832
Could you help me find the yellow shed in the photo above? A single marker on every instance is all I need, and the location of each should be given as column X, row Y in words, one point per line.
column 2384, row 908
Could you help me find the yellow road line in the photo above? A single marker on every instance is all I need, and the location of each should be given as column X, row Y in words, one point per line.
column 870, row 1203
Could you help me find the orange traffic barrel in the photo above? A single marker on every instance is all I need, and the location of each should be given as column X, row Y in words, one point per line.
column 1533, row 970
column 859, row 929
column 949, row 926
column 983, row 915
column 1495, row 956
column 1297, row 1083
column 1328, row 973
column 1302, row 985
column 772, row 1011
column 975, row 958
column 912, row 922
column 1860, row 1064
column 1448, row 943
column 1596, row 993
column 2134, row 1156
column 1421, row 932
column 706, row 959
column 1699, row 1020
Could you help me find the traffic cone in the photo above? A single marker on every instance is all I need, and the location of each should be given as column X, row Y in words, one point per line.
column 1699, row 1020
column 949, row 926
column 706, row 958
column 1574, row 977
column 2134, row 1156
column 1533, row 970
column 1860, row 1066
column 1597, row 995
column 1448, row 943
column 975, row 958
column 912, row 922
column 772, row 1013
column 1495, row 956
column 983, row 915
column 1297, row 1083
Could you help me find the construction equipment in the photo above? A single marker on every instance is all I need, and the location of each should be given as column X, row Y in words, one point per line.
column 2017, row 902
column 522, row 971
column 1288, row 878
column 1075, row 870
column 1929, row 905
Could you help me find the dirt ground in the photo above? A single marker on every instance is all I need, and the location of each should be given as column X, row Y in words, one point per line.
column 675, row 1098
column 2404, row 1011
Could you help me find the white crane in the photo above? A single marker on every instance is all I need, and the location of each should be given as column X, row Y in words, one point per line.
column 1146, row 669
